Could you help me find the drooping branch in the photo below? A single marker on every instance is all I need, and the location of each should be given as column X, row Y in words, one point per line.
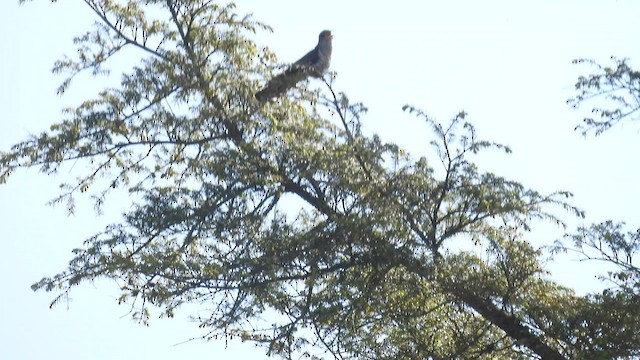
column 617, row 87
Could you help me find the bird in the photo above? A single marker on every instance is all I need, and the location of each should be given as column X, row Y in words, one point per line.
column 315, row 63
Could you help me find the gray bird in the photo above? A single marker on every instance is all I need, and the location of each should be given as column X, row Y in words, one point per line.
column 314, row 63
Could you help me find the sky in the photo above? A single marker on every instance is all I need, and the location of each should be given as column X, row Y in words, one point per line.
column 506, row 63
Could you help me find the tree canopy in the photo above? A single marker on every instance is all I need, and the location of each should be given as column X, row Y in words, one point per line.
column 294, row 230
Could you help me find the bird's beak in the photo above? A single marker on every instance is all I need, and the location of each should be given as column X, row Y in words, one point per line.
column 329, row 36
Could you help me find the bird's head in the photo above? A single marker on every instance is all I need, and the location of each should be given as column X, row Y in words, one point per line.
column 326, row 34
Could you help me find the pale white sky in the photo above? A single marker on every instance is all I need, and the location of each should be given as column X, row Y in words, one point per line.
column 507, row 63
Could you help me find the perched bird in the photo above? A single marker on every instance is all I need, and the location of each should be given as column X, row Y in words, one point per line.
column 314, row 63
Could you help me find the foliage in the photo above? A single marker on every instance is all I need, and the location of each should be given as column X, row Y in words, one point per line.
column 609, row 324
column 608, row 242
column 289, row 226
column 612, row 315
column 618, row 85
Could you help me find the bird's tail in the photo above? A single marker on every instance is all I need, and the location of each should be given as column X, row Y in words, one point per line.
column 280, row 84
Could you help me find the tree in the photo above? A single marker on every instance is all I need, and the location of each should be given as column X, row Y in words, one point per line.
column 286, row 211
column 610, row 323
column 618, row 85
column 617, row 88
